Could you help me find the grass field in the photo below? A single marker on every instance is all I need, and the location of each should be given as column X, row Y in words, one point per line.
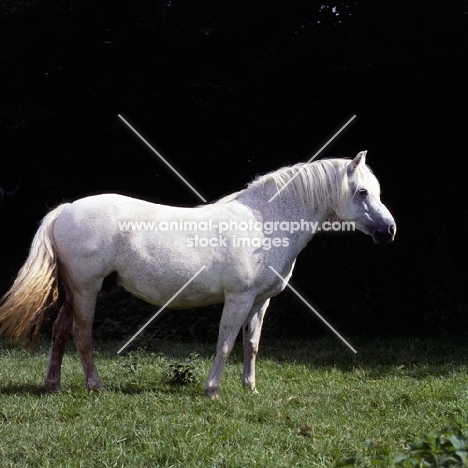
column 317, row 403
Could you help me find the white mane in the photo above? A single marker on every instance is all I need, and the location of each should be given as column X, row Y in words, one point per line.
column 314, row 183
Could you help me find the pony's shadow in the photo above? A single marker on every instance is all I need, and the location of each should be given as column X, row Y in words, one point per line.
column 23, row 389
column 39, row 390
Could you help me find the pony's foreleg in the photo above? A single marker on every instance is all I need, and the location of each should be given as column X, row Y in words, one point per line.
column 251, row 334
column 61, row 333
column 83, row 316
column 235, row 311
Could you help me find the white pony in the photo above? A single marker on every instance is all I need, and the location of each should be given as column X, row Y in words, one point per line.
column 79, row 244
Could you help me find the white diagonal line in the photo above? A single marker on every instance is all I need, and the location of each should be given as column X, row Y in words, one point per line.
column 159, row 155
column 161, row 309
column 312, row 309
column 313, row 157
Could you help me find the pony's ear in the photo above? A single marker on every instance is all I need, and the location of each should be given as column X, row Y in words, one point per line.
column 359, row 159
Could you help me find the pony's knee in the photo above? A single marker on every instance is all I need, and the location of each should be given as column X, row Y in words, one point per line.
column 251, row 348
column 224, row 349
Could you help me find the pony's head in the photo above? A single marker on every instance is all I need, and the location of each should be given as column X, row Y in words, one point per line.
column 363, row 205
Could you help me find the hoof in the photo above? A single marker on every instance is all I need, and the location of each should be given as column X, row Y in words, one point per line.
column 94, row 384
column 52, row 387
column 95, row 388
column 248, row 387
column 212, row 393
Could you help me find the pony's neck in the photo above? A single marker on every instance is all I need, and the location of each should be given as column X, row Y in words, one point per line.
column 311, row 189
column 286, row 204
column 287, row 207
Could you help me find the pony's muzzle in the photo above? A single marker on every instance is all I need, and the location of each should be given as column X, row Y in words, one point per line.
column 383, row 236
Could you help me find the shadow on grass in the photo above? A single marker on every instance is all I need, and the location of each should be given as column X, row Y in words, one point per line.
column 422, row 356
column 23, row 389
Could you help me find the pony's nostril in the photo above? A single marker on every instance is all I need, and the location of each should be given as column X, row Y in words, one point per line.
column 392, row 229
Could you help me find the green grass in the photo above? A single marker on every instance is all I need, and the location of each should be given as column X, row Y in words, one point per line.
column 317, row 404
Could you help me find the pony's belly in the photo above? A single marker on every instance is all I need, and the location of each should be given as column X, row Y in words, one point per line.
column 195, row 294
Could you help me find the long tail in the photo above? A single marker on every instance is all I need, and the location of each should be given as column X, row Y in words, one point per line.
column 35, row 289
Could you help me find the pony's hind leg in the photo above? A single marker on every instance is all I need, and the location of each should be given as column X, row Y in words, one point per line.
column 83, row 316
column 61, row 333
column 235, row 311
column 251, row 335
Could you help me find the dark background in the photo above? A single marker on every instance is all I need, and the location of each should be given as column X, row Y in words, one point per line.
column 227, row 90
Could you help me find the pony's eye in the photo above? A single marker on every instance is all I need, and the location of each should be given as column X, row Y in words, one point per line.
column 362, row 191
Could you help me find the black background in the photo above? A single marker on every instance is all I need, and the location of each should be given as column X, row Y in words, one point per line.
column 227, row 90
